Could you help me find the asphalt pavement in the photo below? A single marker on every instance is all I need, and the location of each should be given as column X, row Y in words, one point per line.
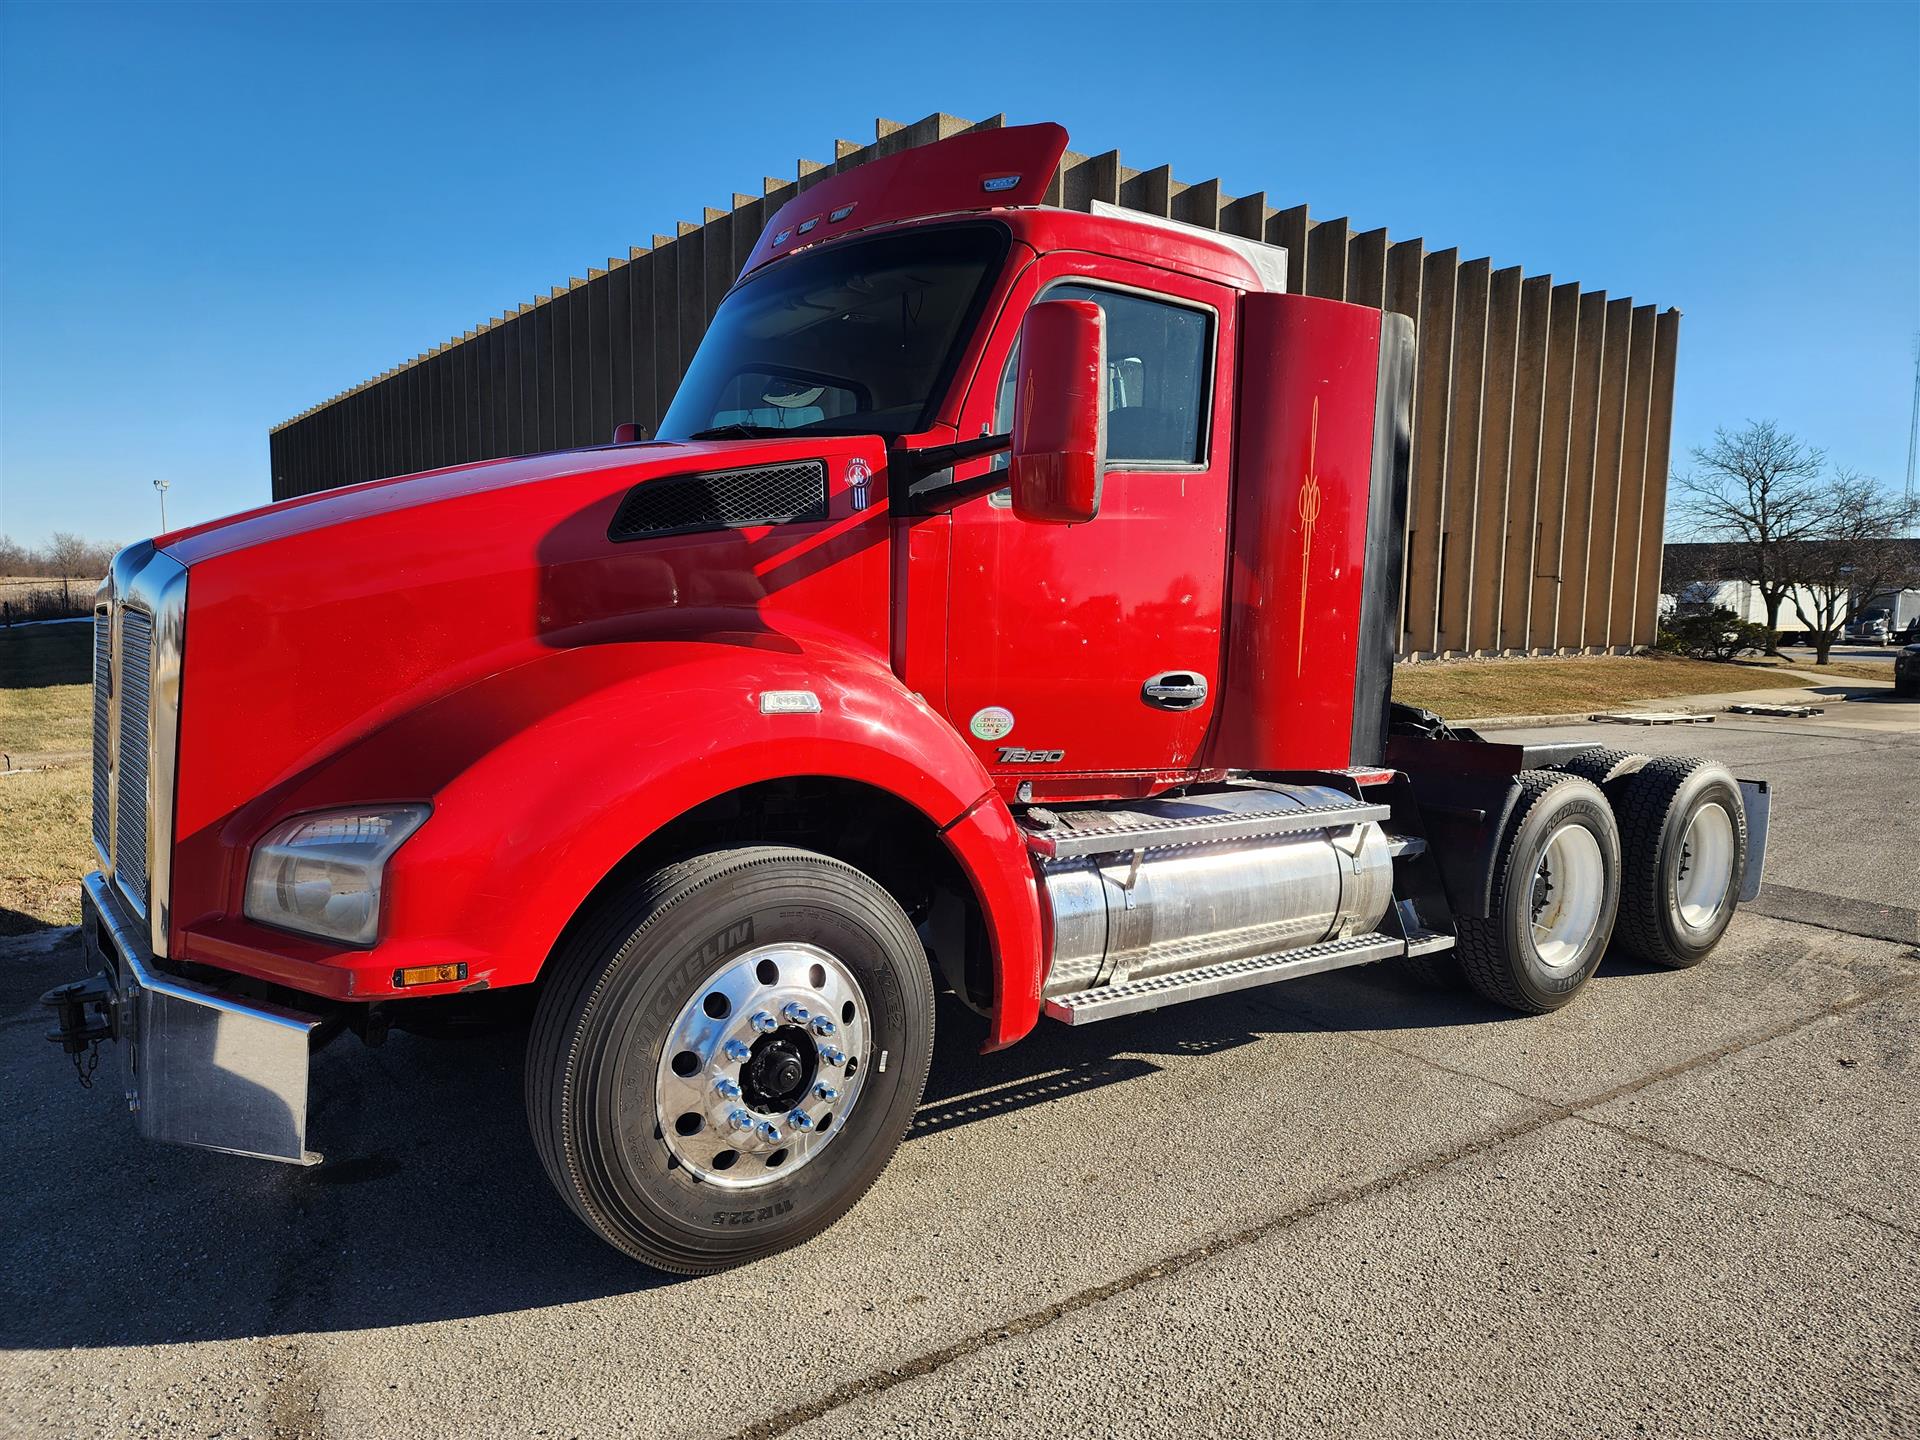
column 1684, row 1206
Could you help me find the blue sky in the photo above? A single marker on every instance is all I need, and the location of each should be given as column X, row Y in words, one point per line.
column 211, row 217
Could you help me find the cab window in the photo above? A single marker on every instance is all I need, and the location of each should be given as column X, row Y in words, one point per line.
column 1156, row 377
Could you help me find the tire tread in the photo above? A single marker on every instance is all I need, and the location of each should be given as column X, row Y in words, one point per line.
column 1644, row 810
column 1481, row 945
column 576, row 974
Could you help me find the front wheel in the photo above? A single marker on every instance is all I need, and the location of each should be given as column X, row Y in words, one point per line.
column 1556, row 888
column 725, row 1059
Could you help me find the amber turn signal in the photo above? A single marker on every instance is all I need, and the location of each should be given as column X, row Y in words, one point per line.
column 428, row 975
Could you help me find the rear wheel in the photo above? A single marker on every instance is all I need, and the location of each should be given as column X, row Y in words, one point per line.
column 725, row 1059
column 1556, row 887
column 1683, row 831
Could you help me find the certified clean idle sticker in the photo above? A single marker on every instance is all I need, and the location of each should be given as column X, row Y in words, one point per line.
column 991, row 723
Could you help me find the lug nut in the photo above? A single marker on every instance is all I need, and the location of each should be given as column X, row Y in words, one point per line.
column 799, row 1119
column 822, row 1026
column 764, row 1022
column 826, row 1092
column 736, row 1050
column 767, row 1132
column 739, row 1119
column 831, row 1056
column 726, row 1089
column 795, row 1011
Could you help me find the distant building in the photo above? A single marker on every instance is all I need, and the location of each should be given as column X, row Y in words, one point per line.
column 1697, row 574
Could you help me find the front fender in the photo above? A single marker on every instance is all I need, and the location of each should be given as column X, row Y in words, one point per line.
column 545, row 776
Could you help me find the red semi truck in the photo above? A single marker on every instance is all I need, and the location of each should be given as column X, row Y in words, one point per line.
column 1007, row 605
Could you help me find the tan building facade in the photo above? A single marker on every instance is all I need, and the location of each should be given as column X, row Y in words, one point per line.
column 1542, row 421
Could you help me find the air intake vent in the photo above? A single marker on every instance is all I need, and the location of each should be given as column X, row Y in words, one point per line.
column 723, row 500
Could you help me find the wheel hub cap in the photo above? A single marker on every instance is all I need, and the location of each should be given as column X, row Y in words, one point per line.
column 776, row 1075
column 1569, row 887
column 762, row 1066
column 1704, row 871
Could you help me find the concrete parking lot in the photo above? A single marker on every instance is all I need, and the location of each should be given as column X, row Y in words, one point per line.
column 1685, row 1206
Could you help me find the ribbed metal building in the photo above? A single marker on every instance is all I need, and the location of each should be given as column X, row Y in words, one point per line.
column 1542, row 418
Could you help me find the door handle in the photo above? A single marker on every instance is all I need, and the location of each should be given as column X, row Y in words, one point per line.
column 1175, row 690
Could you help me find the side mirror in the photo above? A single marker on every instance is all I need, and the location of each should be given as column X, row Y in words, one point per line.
column 1060, row 413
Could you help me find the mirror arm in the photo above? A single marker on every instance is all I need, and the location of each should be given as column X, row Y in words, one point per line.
column 919, row 477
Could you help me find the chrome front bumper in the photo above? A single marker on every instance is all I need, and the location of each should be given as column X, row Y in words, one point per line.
column 201, row 1067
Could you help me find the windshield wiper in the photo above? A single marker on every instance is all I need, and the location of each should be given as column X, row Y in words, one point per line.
column 738, row 431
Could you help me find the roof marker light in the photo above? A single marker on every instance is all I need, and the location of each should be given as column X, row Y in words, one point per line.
column 783, row 236
column 842, row 213
column 993, row 185
column 809, row 223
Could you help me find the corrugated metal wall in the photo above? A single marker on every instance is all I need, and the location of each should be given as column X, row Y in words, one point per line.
column 1542, row 417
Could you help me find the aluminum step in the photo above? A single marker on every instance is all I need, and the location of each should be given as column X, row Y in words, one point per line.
column 1106, row 1002
column 1154, row 826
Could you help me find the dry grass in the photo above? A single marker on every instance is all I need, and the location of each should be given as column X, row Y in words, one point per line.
column 46, row 732
column 1464, row 689
column 44, row 848
column 45, row 692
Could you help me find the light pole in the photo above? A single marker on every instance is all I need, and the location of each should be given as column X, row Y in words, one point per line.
column 163, row 486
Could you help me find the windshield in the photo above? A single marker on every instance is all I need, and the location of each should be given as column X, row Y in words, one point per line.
column 857, row 339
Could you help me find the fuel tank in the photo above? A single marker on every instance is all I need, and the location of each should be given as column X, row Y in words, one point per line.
column 1166, row 885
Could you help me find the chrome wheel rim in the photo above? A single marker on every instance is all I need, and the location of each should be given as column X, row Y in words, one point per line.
column 1704, row 873
column 1569, row 885
column 763, row 1065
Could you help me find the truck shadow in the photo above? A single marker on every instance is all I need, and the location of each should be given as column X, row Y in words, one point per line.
column 439, row 1209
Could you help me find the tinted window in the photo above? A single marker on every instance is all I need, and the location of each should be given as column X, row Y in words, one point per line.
column 1156, row 376
column 857, row 338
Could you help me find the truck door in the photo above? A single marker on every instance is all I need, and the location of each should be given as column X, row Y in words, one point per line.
column 1096, row 648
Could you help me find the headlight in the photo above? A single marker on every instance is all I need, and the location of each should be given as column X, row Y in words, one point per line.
column 320, row 874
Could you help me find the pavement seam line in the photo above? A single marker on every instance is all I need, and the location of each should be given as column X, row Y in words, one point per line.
column 1546, row 1113
column 1681, row 1152
column 1731, row 1047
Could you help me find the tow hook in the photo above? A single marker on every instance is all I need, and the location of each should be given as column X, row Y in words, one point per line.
column 83, row 1016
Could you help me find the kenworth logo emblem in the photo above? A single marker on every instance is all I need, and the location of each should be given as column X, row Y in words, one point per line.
column 858, row 474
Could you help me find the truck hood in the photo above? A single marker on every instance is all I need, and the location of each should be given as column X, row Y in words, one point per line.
column 316, row 622
column 329, row 508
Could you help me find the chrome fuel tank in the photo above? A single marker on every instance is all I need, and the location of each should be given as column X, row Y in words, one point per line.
column 1187, row 882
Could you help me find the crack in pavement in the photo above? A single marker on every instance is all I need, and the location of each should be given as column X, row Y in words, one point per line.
column 1580, row 1110
column 1683, row 1153
column 1547, row 1113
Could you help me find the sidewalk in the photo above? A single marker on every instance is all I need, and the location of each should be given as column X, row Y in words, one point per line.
column 1816, row 689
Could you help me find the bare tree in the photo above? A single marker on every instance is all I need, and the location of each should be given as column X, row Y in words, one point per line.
column 1859, row 552
column 1757, row 491
column 70, row 555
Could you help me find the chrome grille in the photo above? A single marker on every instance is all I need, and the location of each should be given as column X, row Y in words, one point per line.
column 131, row 746
column 102, row 715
